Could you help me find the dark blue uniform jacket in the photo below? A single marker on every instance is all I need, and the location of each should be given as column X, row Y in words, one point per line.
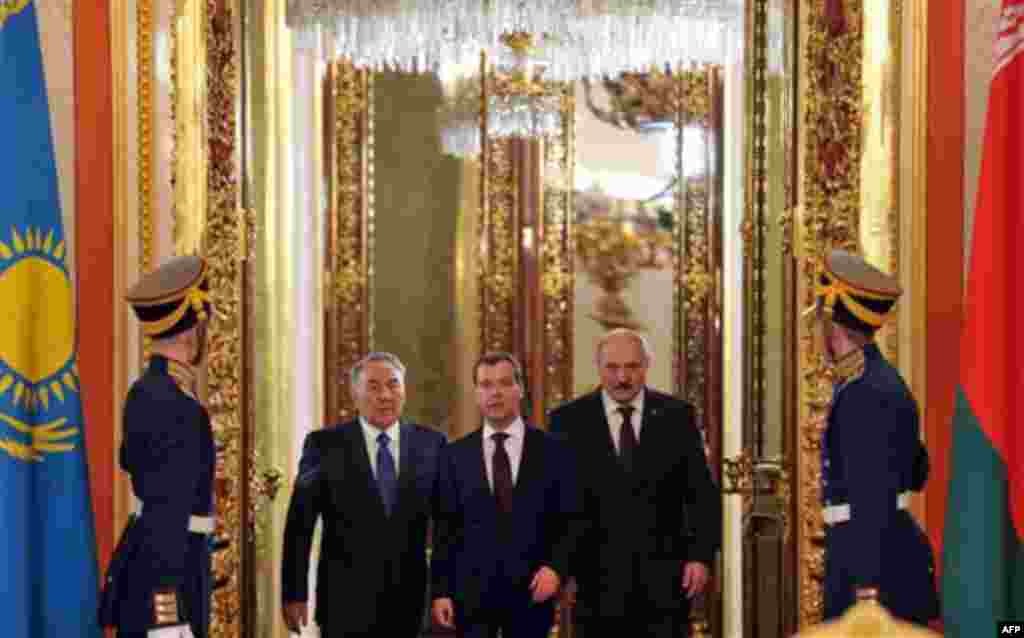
column 871, row 452
column 169, row 451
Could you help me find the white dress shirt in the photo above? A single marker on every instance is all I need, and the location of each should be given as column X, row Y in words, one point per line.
column 513, row 446
column 611, row 410
column 370, row 433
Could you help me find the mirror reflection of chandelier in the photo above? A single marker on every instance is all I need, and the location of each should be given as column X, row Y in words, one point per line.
column 459, row 113
column 520, row 103
column 574, row 38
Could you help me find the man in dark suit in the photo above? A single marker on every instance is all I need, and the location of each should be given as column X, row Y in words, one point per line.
column 507, row 498
column 372, row 481
column 872, row 456
column 652, row 516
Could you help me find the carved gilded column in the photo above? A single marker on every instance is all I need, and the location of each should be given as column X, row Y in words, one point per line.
column 144, row 78
column 557, row 251
column 829, row 218
column 694, row 288
column 144, row 71
column 499, row 247
column 349, row 317
column 225, row 237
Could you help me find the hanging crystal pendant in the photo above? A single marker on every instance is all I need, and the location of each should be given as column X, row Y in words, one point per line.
column 578, row 38
column 520, row 102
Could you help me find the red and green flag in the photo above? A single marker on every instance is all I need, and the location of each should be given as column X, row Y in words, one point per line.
column 983, row 547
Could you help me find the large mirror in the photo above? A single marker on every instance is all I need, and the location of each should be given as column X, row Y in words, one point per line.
column 626, row 212
column 617, row 218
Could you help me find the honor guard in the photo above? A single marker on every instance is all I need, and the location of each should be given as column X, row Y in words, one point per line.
column 159, row 582
column 871, row 453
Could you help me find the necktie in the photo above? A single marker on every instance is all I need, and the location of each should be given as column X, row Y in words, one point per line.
column 627, row 437
column 501, row 470
column 387, row 483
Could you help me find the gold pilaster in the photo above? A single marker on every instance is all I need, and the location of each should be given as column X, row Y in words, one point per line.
column 466, row 342
column 271, row 270
column 829, row 217
column 125, row 359
column 144, row 73
column 913, row 248
column 350, row 232
column 188, row 165
column 499, row 248
column 557, row 250
column 224, row 234
column 880, row 163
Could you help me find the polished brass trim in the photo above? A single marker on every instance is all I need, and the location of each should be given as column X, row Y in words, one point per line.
column 891, row 82
column 120, row 42
column 144, row 62
column 913, row 247
column 144, row 87
column 753, row 230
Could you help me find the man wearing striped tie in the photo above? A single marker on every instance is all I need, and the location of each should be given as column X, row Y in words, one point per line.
column 507, row 501
column 372, row 481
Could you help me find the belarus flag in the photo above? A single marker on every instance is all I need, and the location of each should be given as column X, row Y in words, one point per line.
column 983, row 574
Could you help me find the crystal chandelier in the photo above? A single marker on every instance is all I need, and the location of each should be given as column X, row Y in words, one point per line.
column 574, row 38
column 520, row 102
column 459, row 113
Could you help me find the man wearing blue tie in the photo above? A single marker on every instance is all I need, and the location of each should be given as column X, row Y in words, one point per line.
column 373, row 482
column 504, row 523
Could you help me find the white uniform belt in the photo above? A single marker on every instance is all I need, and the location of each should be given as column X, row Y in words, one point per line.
column 196, row 524
column 835, row 514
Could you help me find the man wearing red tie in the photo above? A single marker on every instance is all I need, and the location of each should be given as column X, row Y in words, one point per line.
column 506, row 501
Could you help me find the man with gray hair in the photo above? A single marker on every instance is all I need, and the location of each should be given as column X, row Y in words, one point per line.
column 652, row 517
column 373, row 482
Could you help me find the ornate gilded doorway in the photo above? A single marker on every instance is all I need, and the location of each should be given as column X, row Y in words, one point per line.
column 614, row 220
column 803, row 150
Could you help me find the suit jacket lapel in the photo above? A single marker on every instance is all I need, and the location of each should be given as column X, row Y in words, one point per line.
column 529, row 462
column 406, row 477
column 650, row 423
column 475, row 461
column 603, row 431
column 360, row 458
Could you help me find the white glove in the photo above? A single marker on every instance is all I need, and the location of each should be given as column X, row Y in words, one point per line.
column 177, row 631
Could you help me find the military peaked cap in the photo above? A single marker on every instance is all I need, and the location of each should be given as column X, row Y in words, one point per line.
column 172, row 298
column 854, row 293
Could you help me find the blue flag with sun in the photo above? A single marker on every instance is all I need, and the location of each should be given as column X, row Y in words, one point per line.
column 48, row 571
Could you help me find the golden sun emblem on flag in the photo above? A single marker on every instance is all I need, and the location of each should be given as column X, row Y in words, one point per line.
column 10, row 7
column 37, row 344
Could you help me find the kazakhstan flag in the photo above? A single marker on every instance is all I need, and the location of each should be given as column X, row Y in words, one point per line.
column 48, row 572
